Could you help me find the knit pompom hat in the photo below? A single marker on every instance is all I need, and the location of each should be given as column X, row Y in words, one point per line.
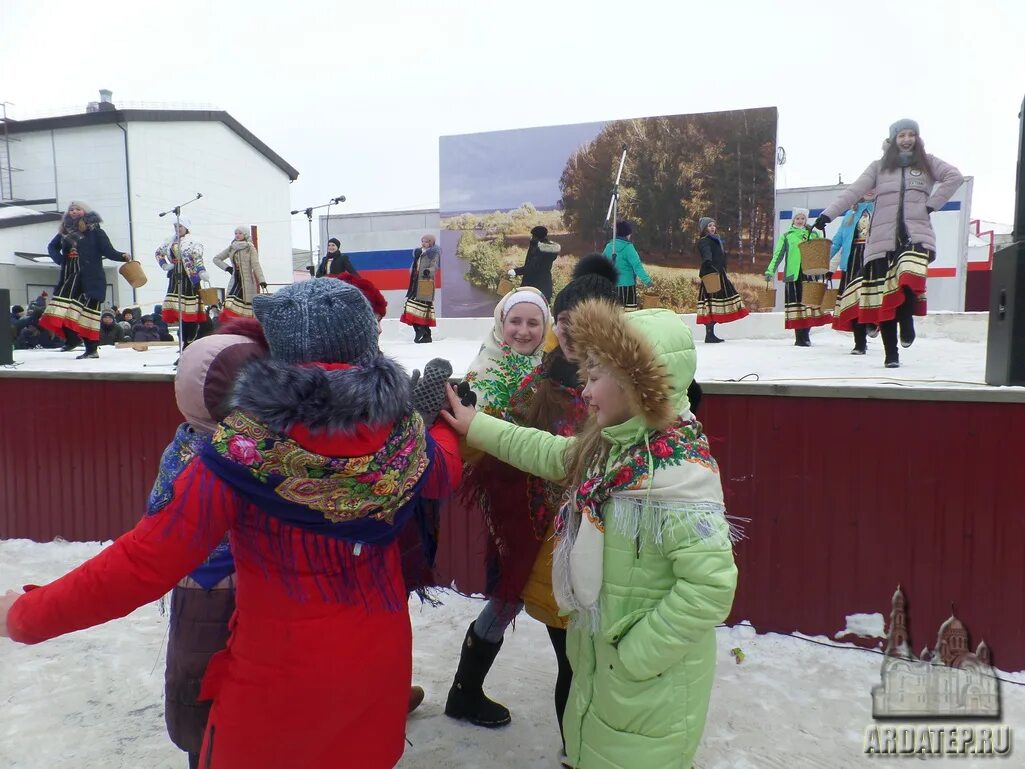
column 594, row 277
column 624, row 229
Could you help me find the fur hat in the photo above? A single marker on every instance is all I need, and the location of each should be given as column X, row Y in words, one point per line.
column 80, row 204
column 336, row 241
column 903, row 124
column 798, row 211
column 318, row 321
column 377, row 301
column 594, row 277
column 539, row 233
column 624, row 229
column 206, row 376
column 703, row 223
column 603, row 335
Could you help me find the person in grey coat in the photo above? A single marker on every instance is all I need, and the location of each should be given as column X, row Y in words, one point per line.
column 910, row 186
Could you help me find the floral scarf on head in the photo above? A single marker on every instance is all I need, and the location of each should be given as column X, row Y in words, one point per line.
column 497, row 372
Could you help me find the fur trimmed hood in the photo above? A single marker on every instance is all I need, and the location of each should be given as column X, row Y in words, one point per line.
column 281, row 396
column 650, row 352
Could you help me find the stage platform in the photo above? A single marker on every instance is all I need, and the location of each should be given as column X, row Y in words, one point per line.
column 855, row 478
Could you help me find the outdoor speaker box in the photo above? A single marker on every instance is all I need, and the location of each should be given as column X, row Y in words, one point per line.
column 1005, row 348
column 6, row 329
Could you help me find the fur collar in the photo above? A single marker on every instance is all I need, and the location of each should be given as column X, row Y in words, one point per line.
column 549, row 246
column 281, row 396
column 601, row 334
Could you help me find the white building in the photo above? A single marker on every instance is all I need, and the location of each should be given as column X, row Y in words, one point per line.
column 129, row 165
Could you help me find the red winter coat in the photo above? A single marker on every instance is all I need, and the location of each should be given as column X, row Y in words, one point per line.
column 305, row 683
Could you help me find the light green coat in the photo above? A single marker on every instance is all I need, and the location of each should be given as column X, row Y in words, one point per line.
column 789, row 247
column 642, row 682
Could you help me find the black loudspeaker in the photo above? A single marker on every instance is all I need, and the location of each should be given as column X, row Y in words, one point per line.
column 6, row 329
column 1005, row 347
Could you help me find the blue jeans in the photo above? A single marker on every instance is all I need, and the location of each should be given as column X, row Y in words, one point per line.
column 494, row 618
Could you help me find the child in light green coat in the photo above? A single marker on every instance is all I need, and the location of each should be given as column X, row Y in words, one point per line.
column 643, row 559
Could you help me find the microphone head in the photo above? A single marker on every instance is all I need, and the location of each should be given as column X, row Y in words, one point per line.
column 199, row 195
column 340, row 199
column 165, row 212
column 297, row 211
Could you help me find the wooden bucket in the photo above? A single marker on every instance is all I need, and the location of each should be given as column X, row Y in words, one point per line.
column 711, row 283
column 815, row 256
column 812, row 293
column 829, row 300
column 209, row 296
column 650, row 301
column 505, row 286
column 766, row 298
column 133, row 273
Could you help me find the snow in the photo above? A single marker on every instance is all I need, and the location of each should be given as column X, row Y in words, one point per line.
column 949, row 355
column 94, row 698
column 864, row 625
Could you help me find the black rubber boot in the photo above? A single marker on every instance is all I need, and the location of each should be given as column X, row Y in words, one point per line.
column 889, row 333
column 91, row 350
column 418, row 334
column 803, row 336
column 710, row 337
column 860, row 339
column 71, row 340
column 466, row 700
column 426, row 338
column 906, row 319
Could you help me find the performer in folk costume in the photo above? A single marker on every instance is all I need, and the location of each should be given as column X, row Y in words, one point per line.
column 643, row 558
column 419, row 309
column 326, row 455
column 847, row 254
column 910, row 186
column 537, row 266
column 334, row 261
column 725, row 305
column 498, row 493
column 800, row 317
column 79, row 247
column 627, row 261
column 183, row 263
column 242, row 262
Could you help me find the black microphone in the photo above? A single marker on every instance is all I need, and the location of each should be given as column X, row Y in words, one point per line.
column 339, row 199
column 297, row 211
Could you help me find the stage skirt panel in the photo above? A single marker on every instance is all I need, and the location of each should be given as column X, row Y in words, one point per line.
column 628, row 297
column 848, row 299
column 418, row 313
column 725, row 305
column 182, row 299
column 70, row 308
column 884, row 280
column 797, row 314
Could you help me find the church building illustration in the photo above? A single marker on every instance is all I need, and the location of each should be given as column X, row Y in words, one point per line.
column 947, row 681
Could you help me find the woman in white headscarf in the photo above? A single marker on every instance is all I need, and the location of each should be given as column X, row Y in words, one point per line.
column 181, row 258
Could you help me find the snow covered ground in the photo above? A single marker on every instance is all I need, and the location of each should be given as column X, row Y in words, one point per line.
column 95, row 698
column 950, row 354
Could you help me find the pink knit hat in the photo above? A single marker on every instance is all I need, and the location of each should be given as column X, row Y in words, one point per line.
column 206, row 376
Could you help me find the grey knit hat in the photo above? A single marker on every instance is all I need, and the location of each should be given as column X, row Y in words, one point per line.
column 703, row 222
column 903, row 125
column 318, row 321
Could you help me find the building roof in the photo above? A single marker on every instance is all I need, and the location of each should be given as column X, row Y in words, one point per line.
column 152, row 116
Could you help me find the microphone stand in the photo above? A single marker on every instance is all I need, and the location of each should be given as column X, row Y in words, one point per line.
column 309, row 219
column 179, row 269
column 612, row 216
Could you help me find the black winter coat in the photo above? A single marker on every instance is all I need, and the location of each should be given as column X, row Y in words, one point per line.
column 537, row 267
column 93, row 248
column 335, row 264
column 711, row 251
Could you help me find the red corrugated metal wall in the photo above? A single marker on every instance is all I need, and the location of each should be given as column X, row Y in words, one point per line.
column 847, row 498
column 78, row 457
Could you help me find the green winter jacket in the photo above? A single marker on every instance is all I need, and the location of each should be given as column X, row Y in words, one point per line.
column 788, row 246
column 628, row 263
column 642, row 682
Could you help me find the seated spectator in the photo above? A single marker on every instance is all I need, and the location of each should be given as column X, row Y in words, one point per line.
column 128, row 320
column 111, row 332
column 146, row 331
column 17, row 313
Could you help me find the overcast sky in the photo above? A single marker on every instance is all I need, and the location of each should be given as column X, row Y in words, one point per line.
column 355, row 94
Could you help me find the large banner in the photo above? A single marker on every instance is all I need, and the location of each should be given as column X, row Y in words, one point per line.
column 496, row 186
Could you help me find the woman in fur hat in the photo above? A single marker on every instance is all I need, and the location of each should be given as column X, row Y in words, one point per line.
column 182, row 259
column 324, row 457
column 621, row 251
column 910, row 185
column 242, row 261
column 79, row 247
column 643, row 559
column 800, row 317
column 498, row 493
column 725, row 305
column 537, row 266
column 419, row 309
